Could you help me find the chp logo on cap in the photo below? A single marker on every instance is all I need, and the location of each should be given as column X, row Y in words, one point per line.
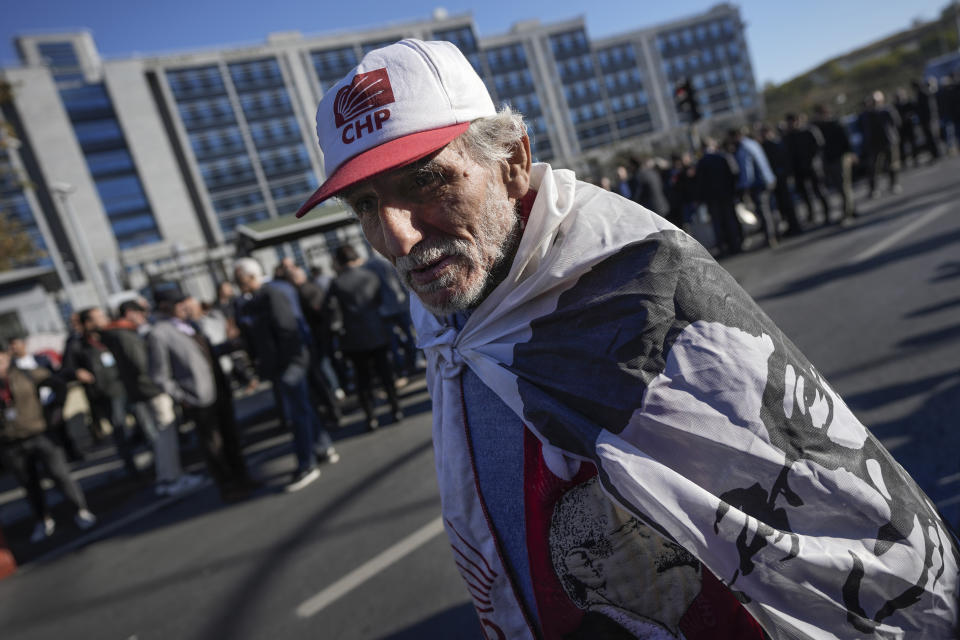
column 366, row 93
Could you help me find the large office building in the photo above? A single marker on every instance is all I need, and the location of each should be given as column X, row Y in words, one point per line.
column 125, row 171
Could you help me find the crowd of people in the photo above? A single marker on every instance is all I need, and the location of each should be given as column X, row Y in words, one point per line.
column 152, row 367
column 777, row 180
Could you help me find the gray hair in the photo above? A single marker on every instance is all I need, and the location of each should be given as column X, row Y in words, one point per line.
column 491, row 140
column 248, row 266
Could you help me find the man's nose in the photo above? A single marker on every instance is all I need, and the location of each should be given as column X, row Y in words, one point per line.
column 400, row 230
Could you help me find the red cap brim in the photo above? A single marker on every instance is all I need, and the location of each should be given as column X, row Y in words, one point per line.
column 388, row 155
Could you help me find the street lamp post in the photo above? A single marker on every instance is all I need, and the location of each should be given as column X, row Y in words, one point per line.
column 62, row 191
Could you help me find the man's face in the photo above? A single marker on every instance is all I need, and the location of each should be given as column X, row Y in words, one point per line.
column 138, row 318
column 447, row 223
column 96, row 320
column 18, row 348
column 244, row 280
column 188, row 309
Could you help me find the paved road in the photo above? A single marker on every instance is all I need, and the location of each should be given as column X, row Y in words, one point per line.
column 358, row 555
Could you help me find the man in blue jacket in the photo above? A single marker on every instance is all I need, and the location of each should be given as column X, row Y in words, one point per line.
column 755, row 181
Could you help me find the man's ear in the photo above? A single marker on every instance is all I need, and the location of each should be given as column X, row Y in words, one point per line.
column 516, row 169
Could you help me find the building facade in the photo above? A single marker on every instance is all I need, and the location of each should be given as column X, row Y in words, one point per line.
column 123, row 167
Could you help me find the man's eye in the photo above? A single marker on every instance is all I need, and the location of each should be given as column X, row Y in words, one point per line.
column 425, row 179
column 364, row 206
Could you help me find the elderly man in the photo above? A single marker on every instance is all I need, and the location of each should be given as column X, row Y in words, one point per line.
column 183, row 365
column 574, row 337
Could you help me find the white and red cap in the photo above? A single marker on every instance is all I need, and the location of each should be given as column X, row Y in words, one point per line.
column 400, row 104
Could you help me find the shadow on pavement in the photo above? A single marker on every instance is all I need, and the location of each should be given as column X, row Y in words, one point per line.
column 947, row 271
column 848, row 270
column 462, row 618
column 934, row 308
column 868, row 400
column 113, row 496
column 229, row 621
column 883, row 212
column 931, row 337
column 927, row 432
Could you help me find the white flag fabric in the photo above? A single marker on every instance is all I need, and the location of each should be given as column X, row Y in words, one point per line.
column 618, row 340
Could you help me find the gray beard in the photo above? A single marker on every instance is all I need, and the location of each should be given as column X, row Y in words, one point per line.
column 498, row 237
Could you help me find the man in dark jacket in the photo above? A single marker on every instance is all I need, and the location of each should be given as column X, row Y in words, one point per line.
column 395, row 311
column 804, row 145
column 152, row 406
column 282, row 355
column 716, row 188
column 881, row 140
column 366, row 335
column 906, row 110
column 838, row 157
column 648, row 187
column 24, row 445
column 53, row 395
column 93, row 364
column 927, row 117
column 776, row 153
column 323, row 378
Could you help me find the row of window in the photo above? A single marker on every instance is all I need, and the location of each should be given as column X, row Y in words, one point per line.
column 595, row 136
column 628, row 101
column 194, row 82
column 580, row 91
column 614, row 57
column 463, row 37
column 59, row 55
column 570, row 43
column 86, row 102
column 284, row 161
column 333, row 64
column 624, row 80
column 509, row 56
column 236, row 201
column 227, row 173
column 217, row 142
column 256, row 74
column 696, row 34
column 265, row 104
column 104, row 146
column 634, row 125
column 576, row 67
column 588, row 112
column 203, row 114
column 267, row 133
column 299, row 188
column 512, row 83
column 702, row 57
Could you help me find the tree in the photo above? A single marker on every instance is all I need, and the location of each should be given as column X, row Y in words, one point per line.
column 17, row 248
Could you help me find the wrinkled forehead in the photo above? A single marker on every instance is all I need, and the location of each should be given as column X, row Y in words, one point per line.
column 438, row 161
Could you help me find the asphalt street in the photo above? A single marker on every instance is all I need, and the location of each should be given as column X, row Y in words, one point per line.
column 360, row 553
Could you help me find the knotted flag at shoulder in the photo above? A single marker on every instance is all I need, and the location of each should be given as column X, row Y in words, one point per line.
column 621, row 345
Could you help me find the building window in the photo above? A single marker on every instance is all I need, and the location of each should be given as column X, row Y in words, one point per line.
column 463, row 38
column 59, row 55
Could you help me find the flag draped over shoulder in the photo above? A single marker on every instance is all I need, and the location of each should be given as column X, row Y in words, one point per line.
column 618, row 340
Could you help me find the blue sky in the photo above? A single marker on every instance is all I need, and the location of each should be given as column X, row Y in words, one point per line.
column 783, row 41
